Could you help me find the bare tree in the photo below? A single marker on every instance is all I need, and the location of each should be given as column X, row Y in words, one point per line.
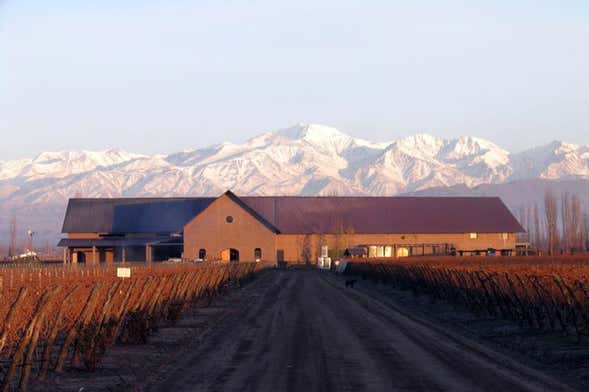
column 565, row 220
column 339, row 240
column 305, row 249
column 522, row 217
column 321, row 241
column 585, row 232
column 12, row 251
column 537, row 229
column 551, row 212
column 575, row 220
column 530, row 222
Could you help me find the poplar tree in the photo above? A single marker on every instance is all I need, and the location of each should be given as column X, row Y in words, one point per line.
column 551, row 215
column 537, row 229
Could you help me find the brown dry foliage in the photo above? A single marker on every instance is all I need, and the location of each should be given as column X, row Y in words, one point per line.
column 547, row 293
column 59, row 316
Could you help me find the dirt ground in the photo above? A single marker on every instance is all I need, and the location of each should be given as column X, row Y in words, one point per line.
column 303, row 330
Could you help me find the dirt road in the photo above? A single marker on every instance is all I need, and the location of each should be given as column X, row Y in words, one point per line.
column 304, row 331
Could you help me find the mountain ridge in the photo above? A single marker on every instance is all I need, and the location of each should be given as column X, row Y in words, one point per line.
column 306, row 159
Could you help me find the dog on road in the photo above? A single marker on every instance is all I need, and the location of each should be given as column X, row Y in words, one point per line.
column 350, row 283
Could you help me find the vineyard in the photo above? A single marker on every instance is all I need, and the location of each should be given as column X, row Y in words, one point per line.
column 56, row 317
column 543, row 293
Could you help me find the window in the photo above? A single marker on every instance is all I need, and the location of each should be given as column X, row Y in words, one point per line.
column 380, row 251
column 229, row 219
column 324, row 251
column 388, row 251
column 474, row 236
column 372, row 251
column 202, row 253
column 505, row 236
column 402, row 252
column 257, row 254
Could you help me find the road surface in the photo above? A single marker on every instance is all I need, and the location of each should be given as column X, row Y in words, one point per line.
column 303, row 330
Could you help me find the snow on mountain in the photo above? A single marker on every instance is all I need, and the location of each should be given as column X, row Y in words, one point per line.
column 307, row 159
column 62, row 164
column 553, row 161
column 304, row 159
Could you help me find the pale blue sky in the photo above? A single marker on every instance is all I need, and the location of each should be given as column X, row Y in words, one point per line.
column 159, row 76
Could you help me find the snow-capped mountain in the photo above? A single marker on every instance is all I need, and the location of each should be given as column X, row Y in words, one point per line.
column 62, row 164
column 301, row 160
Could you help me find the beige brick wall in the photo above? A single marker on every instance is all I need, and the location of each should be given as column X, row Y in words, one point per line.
column 210, row 231
column 292, row 244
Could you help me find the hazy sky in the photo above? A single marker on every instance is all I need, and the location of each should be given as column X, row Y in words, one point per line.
column 158, row 76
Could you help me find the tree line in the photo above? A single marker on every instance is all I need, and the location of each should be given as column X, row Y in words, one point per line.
column 561, row 227
column 15, row 244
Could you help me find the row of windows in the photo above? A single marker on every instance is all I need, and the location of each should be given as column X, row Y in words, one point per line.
column 474, row 236
column 202, row 254
column 386, row 251
column 374, row 251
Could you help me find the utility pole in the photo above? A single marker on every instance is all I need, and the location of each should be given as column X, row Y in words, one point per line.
column 30, row 234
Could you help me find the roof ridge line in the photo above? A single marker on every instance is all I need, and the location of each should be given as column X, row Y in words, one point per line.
column 236, row 199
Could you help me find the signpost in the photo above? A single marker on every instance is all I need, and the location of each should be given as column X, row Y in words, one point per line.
column 123, row 272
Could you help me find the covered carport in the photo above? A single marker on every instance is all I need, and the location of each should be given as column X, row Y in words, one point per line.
column 120, row 249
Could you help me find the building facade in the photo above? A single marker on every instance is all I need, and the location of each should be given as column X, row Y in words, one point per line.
column 284, row 228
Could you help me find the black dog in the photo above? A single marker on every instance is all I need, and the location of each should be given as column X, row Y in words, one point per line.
column 350, row 283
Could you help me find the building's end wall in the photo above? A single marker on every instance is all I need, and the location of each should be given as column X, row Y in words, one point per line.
column 210, row 231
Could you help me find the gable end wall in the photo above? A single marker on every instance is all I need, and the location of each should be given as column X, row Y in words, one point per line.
column 210, row 231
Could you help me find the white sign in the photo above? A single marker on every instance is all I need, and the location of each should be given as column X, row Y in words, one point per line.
column 324, row 262
column 123, row 272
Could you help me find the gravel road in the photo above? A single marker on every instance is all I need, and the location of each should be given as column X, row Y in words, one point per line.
column 303, row 330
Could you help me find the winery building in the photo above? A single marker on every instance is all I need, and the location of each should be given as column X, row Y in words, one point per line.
column 284, row 228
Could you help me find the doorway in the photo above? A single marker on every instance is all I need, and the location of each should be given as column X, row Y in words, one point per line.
column 230, row 254
column 280, row 263
column 79, row 257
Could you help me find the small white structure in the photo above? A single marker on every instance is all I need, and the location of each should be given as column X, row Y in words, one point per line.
column 324, row 262
column 27, row 254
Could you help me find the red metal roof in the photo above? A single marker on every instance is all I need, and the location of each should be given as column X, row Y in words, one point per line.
column 373, row 215
column 294, row 214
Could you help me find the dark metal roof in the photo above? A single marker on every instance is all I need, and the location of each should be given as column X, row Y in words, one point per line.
column 357, row 251
column 158, row 216
column 373, row 215
column 133, row 215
